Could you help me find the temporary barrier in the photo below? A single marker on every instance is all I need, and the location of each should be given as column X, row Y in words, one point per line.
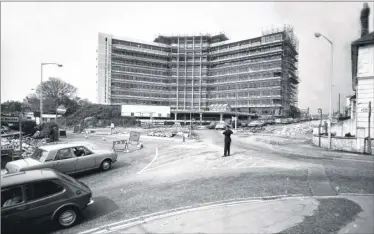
column 120, row 142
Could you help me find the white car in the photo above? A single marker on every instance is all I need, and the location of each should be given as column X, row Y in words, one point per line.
column 68, row 158
column 220, row 126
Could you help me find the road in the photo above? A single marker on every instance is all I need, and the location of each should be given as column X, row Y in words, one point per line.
column 180, row 174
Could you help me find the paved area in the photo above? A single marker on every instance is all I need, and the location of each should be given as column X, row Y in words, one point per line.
column 194, row 173
column 281, row 215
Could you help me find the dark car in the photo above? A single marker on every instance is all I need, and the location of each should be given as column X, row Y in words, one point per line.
column 40, row 195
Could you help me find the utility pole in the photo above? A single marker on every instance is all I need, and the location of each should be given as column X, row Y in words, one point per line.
column 369, row 137
column 339, row 104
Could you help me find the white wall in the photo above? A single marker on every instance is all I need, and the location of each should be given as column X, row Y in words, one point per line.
column 365, row 88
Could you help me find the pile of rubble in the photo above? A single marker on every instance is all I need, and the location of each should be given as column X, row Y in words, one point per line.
column 299, row 129
column 28, row 146
column 161, row 134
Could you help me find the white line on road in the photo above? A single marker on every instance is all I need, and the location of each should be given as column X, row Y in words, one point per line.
column 238, row 164
column 224, row 163
column 150, row 162
column 167, row 164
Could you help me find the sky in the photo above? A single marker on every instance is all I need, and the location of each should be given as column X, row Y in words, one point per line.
column 67, row 33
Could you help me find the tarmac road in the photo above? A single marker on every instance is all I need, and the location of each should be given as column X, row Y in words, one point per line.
column 190, row 175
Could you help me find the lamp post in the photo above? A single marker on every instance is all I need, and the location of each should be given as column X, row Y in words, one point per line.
column 41, row 88
column 317, row 35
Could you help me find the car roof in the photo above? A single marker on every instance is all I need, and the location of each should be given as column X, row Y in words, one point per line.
column 60, row 146
column 25, row 177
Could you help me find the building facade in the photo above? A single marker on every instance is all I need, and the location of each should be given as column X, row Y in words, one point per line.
column 257, row 75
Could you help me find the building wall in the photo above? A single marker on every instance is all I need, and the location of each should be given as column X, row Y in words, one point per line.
column 258, row 75
column 103, row 70
column 365, row 87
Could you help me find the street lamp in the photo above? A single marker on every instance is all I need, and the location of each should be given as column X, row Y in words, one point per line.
column 317, row 35
column 41, row 88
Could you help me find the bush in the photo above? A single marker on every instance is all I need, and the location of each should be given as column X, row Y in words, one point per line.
column 99, row 116
column 50, row 130
column 29, row 127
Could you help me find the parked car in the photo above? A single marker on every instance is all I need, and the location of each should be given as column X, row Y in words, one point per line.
column 39, row 195
column 285, row 121
column 220, row 126
column 68, row 158
column 244, row 124
column 278, row 121
column 256, row 123
column 269, row 121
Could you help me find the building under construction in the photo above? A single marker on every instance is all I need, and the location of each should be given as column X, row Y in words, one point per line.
column 202, row 74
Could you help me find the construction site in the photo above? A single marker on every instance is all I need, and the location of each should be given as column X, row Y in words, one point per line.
column 202, row 76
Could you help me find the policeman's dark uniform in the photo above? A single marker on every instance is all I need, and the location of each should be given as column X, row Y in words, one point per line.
column 227, row 134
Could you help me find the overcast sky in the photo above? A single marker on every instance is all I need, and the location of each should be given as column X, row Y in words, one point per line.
column 67, row 33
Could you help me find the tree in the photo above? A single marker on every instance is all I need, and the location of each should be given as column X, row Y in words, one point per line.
column 56, row 88
column 55, row 92
column 11, row 106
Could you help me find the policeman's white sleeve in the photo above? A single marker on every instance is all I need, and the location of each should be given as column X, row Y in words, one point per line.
column 222, row 132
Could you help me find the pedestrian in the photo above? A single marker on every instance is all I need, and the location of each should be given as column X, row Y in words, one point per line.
column 227, row 132
column 111, row 128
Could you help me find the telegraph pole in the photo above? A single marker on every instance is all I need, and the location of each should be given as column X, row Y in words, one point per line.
column 369, row 137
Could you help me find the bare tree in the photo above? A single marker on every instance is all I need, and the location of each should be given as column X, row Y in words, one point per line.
column 57, row 89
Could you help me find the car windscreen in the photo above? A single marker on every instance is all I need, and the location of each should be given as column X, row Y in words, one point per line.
column 39, row 155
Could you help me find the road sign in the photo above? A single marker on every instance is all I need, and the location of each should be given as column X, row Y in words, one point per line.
column 61, row 110
column 134, row 136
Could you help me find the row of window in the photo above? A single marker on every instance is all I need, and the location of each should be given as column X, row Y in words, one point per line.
column 139, row 102
column 250, row 68
column 144, row 46
column 141, row 94
column 139, row 70
column 245, row 62
column 139, row 55
column 245, row 77
column 248, row 102
column 123, row 78
column 272, row 38
column 138, row 63
column 248, row 94
column 253, row 42
column 246, row 53
column 196, row 73
column 246, row 85
column 139, row 86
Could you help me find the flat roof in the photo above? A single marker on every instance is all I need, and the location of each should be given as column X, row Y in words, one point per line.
column 27, row 176
column 163, row 38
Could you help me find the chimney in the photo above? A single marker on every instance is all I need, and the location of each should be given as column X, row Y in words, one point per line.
column 365, row 12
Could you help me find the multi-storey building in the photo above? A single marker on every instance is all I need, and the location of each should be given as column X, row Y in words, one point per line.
column 195, row 73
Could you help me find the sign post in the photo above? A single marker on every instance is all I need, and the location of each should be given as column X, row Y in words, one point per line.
column 369, row 137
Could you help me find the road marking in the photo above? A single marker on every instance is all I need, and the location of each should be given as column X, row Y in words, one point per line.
column 150, row 162
column 223, row 163
column 238, row 164
column 141, row 219
column 166, row 164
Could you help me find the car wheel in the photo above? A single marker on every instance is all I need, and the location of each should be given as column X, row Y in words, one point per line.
column 106, row 165
column 67, row 217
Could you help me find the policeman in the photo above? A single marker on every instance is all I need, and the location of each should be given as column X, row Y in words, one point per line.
column 227, row 132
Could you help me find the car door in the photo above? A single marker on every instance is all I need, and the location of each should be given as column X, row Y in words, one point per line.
column 65, row 161
column 85, row 161
column 44, row 197
column 13, row 205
